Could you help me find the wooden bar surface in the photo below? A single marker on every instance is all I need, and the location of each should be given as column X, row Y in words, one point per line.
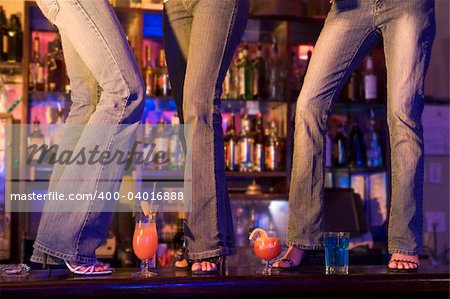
column 306, row 282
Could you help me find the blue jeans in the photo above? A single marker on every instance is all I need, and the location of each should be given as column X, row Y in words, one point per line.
column 108, row 98
column 352, row 28
column 200, row 38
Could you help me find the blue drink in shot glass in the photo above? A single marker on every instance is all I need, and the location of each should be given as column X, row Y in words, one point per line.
column 336, row 252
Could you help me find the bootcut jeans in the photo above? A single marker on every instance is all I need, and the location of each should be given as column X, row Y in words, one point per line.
column 200, row 37
column 352, row 29
column 108, row 99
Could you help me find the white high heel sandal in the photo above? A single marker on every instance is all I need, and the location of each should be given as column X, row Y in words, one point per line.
column 90, row 269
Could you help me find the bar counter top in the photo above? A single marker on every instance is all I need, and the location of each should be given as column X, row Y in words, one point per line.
column 306, row 282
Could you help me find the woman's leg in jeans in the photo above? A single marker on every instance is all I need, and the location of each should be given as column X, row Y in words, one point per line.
column 348, row 35
column 215, row 32
column 408, row 34
column 84, row 98
column 96, row 35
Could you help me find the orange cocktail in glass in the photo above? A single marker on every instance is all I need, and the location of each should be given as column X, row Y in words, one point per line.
column 145, row 242
column 267, row 246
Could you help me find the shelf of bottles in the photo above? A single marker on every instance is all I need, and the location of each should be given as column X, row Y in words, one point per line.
column 253, row 107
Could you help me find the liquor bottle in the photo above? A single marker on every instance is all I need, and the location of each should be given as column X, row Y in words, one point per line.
column 308, row 60
column 178, row 242
column 176, row 151
column 37, row 68
column 340, row 145
column 226, row 85
column 245, row 145
column 230, row 83
column 258, row 150
column 149, row 73
column 373, row 153
column 357, row 149
column 245, row 75
column 230, row 144
column 161, row 149
column 56, row 68
column 274, row 73
column 147, row 138
column 162, row 76
column 3, row 96
column 15, row 39
column 259, row 75
column 328, row 150
column 370, row 81
column 355, row 93
column 35, row 138
column 3, row 35
column 272, row 148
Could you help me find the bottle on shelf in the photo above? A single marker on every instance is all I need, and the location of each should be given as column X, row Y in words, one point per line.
column 230, row 144
column 272, row 147
column 340, row 148
column 15, row 39
column 176, row 150
column 162, row 76
column 37, row 66
column 308, row 60
column 35, row 138
column 245, row 145
column 3, row 35
column 259, row 74
column 328, row 150
column 149, row 73
column 370, row 81
column 355, row 90
column 245, row 74
column 258, row 150
column 373, row 152
column 357, row 149
column 147, row 138
column 3, row 96
column 161, row 149
column 274, row 76
column 179, row 246
column 230, row 83
column 56, row 69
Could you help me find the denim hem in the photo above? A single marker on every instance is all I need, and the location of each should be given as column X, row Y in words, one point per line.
column 64, row 256
column 304, row 246
column 38, row 257
column 403, row 251
column 211, row 253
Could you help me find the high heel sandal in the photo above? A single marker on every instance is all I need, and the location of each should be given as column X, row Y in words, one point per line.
column 89, row 269
column 219, row 261
column 45, row 265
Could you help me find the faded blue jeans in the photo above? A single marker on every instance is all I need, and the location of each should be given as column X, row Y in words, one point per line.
column 200, row 38
column 108, row 97
column 352, row 28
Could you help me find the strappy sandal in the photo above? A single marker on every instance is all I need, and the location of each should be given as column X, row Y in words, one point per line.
column 403, row 270
column 89, row 269
column 292, row 265
column 218, row 261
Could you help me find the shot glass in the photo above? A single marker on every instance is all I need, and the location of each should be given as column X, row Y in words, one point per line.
column 336, row 252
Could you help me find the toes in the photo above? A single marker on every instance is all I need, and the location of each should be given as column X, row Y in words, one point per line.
column 196, row 266
column 393, row 265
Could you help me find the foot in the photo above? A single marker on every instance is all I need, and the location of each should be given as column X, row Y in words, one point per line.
column 403, row 262
column 294, row 255
column 204, row 266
